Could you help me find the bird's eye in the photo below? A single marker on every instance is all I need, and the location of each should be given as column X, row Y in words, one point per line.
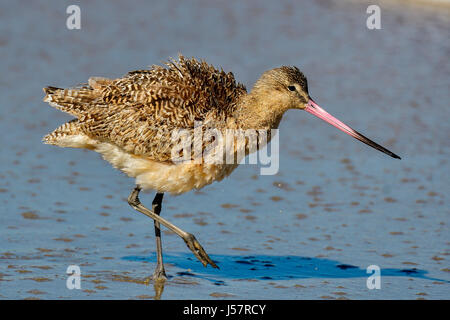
column 291, row 88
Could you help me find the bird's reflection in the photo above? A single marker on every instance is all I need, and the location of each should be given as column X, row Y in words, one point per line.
column 158, row 286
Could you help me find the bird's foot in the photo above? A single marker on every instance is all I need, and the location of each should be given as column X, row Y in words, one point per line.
column 198, row 250
column 159, row 274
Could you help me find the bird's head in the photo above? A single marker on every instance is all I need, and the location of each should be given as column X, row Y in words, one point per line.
column 285, row 88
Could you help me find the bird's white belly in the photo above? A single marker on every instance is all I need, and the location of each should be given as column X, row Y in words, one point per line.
column 158, row 176
column 149, row 174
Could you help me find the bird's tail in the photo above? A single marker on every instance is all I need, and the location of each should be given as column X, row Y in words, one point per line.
column 67, row 128
column 70, row 135
column 73, row 100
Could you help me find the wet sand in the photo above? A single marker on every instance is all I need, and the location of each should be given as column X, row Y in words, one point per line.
column 334, row 208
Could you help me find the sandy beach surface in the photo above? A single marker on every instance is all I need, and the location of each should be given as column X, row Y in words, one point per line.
column 334, row 208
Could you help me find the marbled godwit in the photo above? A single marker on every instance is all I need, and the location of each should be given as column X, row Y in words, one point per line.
column 129, row 121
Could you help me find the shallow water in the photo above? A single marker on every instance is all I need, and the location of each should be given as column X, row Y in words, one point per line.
column 334, row 208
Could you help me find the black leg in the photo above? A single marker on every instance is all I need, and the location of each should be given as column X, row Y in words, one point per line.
column 160, row 273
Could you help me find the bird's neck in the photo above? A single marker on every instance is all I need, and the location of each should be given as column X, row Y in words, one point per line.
column 256, row 112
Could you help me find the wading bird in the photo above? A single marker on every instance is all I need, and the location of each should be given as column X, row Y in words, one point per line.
column 130, row 122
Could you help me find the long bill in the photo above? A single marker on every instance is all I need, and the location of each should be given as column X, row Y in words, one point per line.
column 316, row 110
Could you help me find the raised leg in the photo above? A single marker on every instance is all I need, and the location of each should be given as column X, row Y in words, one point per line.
column 188, row 238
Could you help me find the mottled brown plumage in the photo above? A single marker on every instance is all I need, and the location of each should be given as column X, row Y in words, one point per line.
column 139, row 111
column 131, row 120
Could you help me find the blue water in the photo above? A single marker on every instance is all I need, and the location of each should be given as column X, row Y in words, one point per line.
column 335, row 207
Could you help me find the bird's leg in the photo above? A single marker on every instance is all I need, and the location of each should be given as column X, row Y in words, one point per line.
column 160, row 273
column 188, row 238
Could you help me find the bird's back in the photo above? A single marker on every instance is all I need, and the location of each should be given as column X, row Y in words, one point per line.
column 139, row 112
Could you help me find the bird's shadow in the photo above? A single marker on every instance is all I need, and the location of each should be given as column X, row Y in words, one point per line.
column 266, row 267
